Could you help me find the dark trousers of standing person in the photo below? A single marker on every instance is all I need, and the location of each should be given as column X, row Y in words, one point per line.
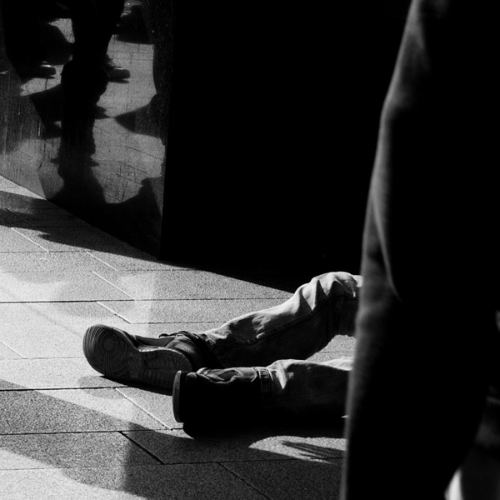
column 93, row 23
column 22, row 30
column 84, row 78
column 427, row 339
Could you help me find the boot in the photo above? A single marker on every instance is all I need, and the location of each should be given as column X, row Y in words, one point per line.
column 128, row 358
column 230, row 397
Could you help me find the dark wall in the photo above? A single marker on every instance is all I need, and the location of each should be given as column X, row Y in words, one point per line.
column 273, row 129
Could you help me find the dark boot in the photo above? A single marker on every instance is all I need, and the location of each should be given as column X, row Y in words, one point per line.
column 229, row 397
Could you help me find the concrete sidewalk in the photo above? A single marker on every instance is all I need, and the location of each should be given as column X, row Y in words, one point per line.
column 66, row 432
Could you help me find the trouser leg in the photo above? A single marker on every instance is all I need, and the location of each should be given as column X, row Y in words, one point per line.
column 303, row 389
column 93, row 25
column 296, row 329
column 22, row 31
column 286, row 391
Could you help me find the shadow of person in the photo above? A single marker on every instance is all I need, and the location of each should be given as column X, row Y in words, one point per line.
column 141, row 121
column 96, row 442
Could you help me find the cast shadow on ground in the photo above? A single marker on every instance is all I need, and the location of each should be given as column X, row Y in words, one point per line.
column 20, row 211
column 42, row 430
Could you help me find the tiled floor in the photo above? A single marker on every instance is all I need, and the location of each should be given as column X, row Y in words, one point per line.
column 66, row 432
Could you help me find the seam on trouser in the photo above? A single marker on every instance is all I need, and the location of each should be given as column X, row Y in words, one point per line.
column 266, row 386
column 232, row 344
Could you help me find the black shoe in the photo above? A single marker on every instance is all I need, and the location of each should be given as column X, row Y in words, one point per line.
column 115, row 73
column 133, row 359
column 222, row 398
column 40, row 69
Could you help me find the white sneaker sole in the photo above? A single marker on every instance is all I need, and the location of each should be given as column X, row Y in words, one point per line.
column 112, row 353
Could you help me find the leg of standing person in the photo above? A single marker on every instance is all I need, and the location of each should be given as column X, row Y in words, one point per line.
column 93, row 24
column 24, row 45
column 426, row 333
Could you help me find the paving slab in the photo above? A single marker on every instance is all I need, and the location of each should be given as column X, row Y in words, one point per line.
column 291, row 479
column 49, row 261
column 156, row 403
column 243, row 446
column 162, row 482
column 9, row 219
column 133, row 260
column 71, row 239
column 49, row 373
column 13, row 241
column 57, row 286
column 70, row 450
column 7, row 353
column 50, row 338
column 70, row 316
column 52, row 218
column 69, row 410
column 171, row 285
column 188, row 311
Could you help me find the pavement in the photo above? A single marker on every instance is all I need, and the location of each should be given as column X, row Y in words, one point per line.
column 67, row 432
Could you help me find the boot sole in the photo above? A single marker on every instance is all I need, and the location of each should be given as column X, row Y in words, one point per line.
column 176, row 391
column 112, row 353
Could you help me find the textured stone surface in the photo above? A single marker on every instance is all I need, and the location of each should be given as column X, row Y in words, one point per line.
column 62, row 336
column 13, row 241
column 84, row 410
column 53, row 218
column 53, row 262
column 6, row 352
column 283, row 480
column 57, row 286
column 171, row 285
column 173, row 482
column 49, row 373
column 156, row 403
column 69, row 239
column 70, row 450
column 188, row 311
column 242, row 446
column 9, row 219
column 133, row 260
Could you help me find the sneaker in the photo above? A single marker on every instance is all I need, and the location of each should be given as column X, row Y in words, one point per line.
column 225, row 397
column 128, row 358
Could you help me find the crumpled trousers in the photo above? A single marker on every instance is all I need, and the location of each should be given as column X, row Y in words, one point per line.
column 279, row 340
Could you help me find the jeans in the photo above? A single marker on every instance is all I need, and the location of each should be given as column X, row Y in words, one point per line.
column 279, row 340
